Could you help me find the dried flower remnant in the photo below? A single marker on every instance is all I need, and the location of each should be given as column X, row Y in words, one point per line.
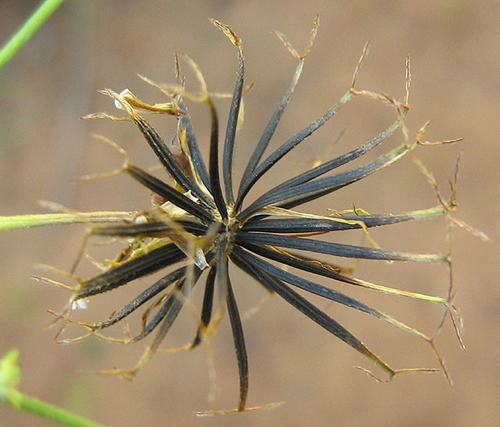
column 201, row 223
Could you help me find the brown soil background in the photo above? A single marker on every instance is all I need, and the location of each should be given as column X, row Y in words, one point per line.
column 89, row 45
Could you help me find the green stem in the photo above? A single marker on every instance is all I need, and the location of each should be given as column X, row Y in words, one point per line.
column 17, row 222
column 27, row 403
column 9, row 379
column 30, row 27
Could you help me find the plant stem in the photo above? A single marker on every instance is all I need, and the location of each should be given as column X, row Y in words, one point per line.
column 18, row 222
column 30, row 27
column 27, row 403
column 9, row 378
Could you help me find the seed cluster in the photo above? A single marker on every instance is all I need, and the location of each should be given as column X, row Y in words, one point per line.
column 199, row 224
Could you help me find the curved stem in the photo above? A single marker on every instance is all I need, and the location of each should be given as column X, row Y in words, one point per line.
column 10, row 395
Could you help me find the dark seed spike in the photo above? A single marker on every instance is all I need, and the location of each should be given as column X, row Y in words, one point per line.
column 329, row 248
column 154, row 260
column 314, row 191
column 339, row 161
column 313, row 225
column 265, row 139
column 169, row 193
column 194, row 149
column 288, row 198
column 232, row 123
column 149, row 229
column 144, row 297
column 309, row 265
column 308, row 309
column 167, row 314
column 301, row 262
column 215, row 183
column 168, row 160
column 292, row 143
column 208, row 302
column 171, row 315
column 309, row 286
column 222, row 270
column 170, row 309
column 239, row 344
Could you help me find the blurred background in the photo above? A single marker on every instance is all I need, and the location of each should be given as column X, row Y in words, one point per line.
column 89, row 45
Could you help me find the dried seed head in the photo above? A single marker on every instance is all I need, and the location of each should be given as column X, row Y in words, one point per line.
column 198, row 223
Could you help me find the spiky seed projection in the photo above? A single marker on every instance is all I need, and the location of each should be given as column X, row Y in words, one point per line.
column 201, row 222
